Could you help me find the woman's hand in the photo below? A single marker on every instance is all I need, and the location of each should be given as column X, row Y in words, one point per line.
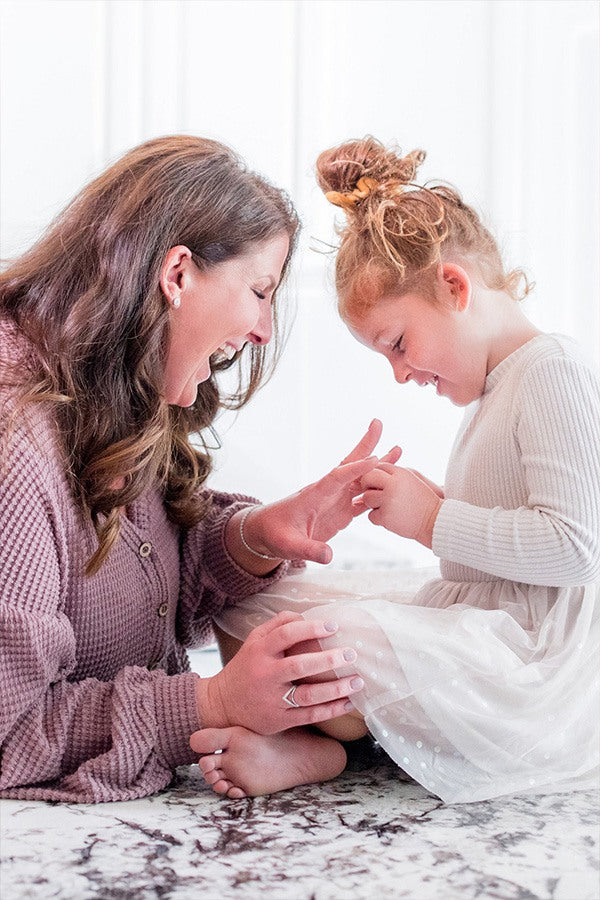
column 403, row 501
column 250, row 690
column 299, row 526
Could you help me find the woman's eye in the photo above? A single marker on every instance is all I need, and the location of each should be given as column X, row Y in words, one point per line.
column 259, row 294
column 398, row 348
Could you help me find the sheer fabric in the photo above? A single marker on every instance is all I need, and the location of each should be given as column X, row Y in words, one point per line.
column 474, row 689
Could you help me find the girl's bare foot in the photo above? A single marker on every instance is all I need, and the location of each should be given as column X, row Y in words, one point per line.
column 252, row 764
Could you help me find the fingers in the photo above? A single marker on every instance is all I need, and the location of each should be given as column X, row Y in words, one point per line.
column 387, row 467
column 315, row 551
column 376, row 517
column 358, row 507
column 372, row 499
column 326, row 691
column 322, row 712
column 303, row 665
column 392, row 456
column 367, row 443
column 282, row 618
column 348, row 472
column 288, row 634
column 377, row 478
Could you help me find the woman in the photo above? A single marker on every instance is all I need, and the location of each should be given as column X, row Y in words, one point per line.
column 161, row 273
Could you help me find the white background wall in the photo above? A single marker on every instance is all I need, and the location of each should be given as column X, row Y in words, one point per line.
column 503, row 95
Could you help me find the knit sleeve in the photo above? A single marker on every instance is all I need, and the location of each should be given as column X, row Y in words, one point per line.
column 62, row 739
column 554, row 539
column 210, row 577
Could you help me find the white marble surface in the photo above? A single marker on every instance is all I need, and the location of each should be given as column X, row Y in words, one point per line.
column 367, row 834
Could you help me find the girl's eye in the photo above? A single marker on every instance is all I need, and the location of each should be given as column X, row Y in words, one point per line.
column 259, row 294
column 398, row 348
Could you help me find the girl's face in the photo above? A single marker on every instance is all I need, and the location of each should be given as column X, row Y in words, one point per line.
column 429, row 342
column 216, row 310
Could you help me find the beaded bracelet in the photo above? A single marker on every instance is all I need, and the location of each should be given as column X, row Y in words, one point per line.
column 243, row 518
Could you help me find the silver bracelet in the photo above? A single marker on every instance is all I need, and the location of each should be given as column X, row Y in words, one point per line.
column 243, row 518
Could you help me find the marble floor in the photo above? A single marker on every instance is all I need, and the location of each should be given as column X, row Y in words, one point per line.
column 367, row 834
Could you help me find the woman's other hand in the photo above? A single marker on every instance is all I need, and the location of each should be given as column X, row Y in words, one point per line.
column 250, row 689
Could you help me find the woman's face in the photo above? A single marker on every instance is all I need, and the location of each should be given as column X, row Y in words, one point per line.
column 217, row 309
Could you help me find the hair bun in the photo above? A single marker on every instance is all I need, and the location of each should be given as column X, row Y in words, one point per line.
column 341, row 168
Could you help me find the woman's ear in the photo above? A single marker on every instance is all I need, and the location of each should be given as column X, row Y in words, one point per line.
column 457, row 286
column 173, row 272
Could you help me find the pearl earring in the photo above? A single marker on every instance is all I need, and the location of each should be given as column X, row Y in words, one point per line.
column 176, row 302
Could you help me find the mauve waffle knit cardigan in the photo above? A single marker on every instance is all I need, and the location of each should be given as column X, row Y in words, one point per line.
column 97, row 700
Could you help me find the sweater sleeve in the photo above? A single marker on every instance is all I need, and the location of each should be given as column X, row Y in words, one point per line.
column 553, row 539
column 210, row 577
column 63, row 739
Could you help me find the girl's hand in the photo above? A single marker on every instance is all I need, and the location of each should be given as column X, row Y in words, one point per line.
column 299, row 526
column 403, row 501
column 249, row 691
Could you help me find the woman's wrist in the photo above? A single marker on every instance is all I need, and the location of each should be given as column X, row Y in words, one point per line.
column 244, row 544
column 209, row 704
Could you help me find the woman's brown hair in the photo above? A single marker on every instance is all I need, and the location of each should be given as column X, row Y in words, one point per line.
column 398, row 232
column 88, row 299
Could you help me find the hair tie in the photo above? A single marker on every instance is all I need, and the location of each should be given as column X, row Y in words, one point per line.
column 348, row 199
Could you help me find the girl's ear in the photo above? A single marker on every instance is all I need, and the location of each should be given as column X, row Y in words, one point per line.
column 458, row 286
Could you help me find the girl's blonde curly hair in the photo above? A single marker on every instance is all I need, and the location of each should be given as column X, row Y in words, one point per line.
column 397, row 232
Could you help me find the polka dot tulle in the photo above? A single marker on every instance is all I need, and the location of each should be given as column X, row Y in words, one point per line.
column 467, row 700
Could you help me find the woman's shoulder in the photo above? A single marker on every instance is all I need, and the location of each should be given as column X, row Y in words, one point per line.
column 22, row 424
column 15, row 349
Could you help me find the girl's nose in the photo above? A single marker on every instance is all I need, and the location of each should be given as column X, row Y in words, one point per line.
column 402, row 372
column 263, row 330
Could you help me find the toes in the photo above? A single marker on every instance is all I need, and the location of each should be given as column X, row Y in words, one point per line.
column 208, row 763
column 236, row 793
column 207, row 740
column 214, row 776
column 222, row 786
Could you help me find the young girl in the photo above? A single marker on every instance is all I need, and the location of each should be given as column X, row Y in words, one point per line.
column 485, row 680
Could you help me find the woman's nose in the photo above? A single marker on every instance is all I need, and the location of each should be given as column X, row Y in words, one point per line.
column 263, row 330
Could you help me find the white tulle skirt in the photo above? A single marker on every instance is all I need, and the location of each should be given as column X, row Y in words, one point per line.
column 475, row 689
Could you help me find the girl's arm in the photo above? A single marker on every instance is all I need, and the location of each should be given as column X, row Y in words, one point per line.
column 553, row 539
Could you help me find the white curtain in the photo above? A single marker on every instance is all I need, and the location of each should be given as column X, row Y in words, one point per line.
column 502, row 95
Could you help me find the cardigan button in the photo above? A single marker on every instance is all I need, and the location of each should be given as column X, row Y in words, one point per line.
column 145, row 549
column 163, row 609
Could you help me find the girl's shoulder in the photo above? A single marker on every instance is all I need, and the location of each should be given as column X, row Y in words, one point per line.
column 553, row 372
column 546, row 355
column 561, row 354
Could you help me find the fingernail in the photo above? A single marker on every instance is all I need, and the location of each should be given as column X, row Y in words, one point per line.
column 357, row 684
column 348, row 705
column 349, row 655
column 330, row 626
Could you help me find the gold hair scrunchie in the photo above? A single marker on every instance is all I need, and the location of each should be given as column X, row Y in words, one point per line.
column 347, row 200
